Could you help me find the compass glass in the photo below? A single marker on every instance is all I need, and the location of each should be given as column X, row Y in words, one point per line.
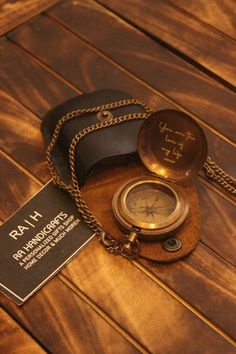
column 150, row 206
column 150, row 202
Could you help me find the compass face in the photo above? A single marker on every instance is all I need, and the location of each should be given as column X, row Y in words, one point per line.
column 150, row 206
column 150, row 203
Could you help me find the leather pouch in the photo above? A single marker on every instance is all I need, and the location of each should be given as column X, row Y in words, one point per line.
column 103, row 147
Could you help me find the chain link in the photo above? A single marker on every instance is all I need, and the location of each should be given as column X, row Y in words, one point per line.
column 110, row 244
column 210, row 168
column 214, row 172
column 73, row 188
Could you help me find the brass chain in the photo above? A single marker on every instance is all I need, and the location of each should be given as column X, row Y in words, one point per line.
column 210, row 168
column 216, row 173
column 73, row 188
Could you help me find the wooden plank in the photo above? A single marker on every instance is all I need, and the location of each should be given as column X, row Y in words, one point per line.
column 148, row 315
column 14, row 339
column 71, row 324
column 218, row 223
column 13, row 13
column 169, row 74
column 18, row 189
column 37, row 88
column 167, row 23
column 203, row 270
column 220, row 14
column 20, row 136
column 96, row 273
column 202, row 305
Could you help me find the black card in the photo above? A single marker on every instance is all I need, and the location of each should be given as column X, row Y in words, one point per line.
column 38, row 240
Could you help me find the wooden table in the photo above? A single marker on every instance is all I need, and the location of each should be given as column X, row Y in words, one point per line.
column 170, row 54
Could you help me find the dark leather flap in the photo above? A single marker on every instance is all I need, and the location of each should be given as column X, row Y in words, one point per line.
column 98, row 148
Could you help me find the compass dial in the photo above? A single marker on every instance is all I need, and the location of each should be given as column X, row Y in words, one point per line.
column 150, row 203
column 150, row 206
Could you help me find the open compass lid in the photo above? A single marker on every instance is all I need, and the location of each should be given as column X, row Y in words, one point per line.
column 172, row 145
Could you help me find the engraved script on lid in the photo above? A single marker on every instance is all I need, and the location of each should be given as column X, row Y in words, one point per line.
column 172, row 145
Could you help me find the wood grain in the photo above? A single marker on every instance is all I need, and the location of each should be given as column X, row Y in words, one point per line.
column 146, row 59
column 157, row 326
column 220, row 14
column 13, row 13
column 218, row 223
column 20, row 136
column 17, row 188
column 64, row 323
column 36, row 88
column 167, row 23
column 206, row 281
column 14, row 339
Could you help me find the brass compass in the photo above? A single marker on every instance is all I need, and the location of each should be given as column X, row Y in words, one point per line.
column 173, row 148
column 151, row 207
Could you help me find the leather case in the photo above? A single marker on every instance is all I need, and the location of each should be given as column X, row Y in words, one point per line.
column 106, row 146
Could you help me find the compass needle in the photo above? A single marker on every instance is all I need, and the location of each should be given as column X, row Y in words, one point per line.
column 151, row 206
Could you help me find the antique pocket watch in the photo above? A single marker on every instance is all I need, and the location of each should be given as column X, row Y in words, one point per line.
column 173, row 147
